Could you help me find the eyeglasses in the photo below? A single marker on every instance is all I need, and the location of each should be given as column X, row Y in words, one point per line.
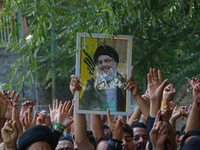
column 107, row 61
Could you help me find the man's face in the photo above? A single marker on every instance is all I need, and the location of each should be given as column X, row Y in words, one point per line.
column 64, row 144
column 105, row 63
column 139, row 138
column 127, row 141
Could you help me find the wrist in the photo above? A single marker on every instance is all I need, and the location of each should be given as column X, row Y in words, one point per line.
column 10, row 146
column 172, row 119
column 57, row 129
column 117, row 137
column 154, row 107
column 158, row 147
column 136, row 96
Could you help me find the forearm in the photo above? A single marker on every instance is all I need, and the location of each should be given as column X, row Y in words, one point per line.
column 154, row 106
column 144, row 107
column 80, row 132
column 10, row 146
column 136, row 115
column 193, row 120
column 96, row 126
column 173, row 124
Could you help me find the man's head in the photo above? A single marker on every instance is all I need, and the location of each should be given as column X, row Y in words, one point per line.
column 37, row 137
column 65, row 143
column 193, row 134
column 139, row 135
column 106, row 59
column 127, row 138
column 102, row 143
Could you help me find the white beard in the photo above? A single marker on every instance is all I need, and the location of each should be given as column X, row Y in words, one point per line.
column 108, row 76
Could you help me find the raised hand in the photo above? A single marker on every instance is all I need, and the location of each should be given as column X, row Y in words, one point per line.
column 155, row 84
column 166, row 111
column 11, row 101
column 4, row 99
column 9, row 134
column 132, row 84
column 74, row 84
column 185, row 112
column 25, row 107
column 195, row 83
column 168, row 92
column 27, row 121
column 158, row 133
column 176, row 114
column 64, row 115
column 43, row 119
column 55, row 111
column 146, row 96
column 115, row 126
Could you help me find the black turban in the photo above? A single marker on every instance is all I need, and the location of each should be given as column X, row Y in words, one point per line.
column 37, row 133
column 106, row 50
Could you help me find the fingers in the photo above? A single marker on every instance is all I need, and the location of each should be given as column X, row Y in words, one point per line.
column 29, row 115
column 56, row 107
column 8, row 126
column 109, row 117
column 157, row 117
column 16, row 98
column 71, row 109
column 35, row 117
column 164, row 83
column 13, row 94
column 160, row 76
column 50, row 108
column 132, row 71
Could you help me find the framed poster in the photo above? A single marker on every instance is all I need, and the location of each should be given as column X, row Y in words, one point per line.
column 103, row 63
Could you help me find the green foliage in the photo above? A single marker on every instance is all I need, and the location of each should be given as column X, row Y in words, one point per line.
column 166, row 35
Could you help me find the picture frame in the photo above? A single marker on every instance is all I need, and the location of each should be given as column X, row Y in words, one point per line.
column 103, row 63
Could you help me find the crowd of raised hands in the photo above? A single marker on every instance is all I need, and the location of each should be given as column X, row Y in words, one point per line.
column 30, row 130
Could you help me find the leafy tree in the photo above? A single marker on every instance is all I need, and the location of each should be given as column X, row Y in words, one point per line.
column 166, row 35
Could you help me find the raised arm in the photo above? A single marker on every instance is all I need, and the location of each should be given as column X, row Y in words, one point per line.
column 96, row 125
column 80, row 131
column 193, row 120
column 132, row 85
column 168, row 92
column 136, row 115
column 155, row 87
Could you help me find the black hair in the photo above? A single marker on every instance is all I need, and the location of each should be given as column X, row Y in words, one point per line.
column 90, row 136
column 68, row 138
column 178, row 132
column 105, row 126
column 188, row 134
column 106, row 138
column 138, row 125
column 128, row 129
column 183, row 127
column 106, row 50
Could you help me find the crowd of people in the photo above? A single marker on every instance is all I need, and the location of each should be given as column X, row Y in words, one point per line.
column 64, row 130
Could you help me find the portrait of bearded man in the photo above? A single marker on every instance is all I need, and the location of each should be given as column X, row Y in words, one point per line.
column 106, row 89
